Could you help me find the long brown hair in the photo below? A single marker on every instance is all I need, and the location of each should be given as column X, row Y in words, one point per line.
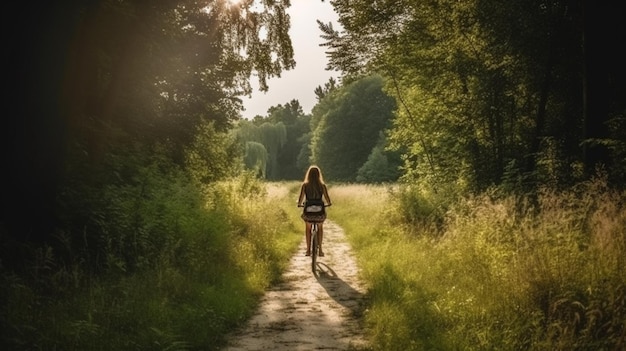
column 313, row 181
column 314, row 175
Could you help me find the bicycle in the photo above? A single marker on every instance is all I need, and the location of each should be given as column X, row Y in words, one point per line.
column 314, row 241
column 314, row 245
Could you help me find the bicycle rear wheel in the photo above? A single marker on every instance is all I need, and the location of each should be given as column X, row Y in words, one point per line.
column 314, row 246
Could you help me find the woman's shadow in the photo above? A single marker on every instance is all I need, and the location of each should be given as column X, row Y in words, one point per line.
column 339, row 290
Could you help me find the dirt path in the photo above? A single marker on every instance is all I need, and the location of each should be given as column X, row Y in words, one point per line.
column 310, row 312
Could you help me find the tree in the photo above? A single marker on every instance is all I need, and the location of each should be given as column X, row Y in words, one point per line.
column 296, row 124
column 382, row 166
column 348, row 131
column 99, row 81
column 604, row 87
column 329, row 86
column 213, row 156
column 272, row 136
column 285, row 164
column 482, row 85
column 255, row 158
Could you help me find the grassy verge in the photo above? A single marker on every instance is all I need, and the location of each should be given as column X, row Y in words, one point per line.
column 491, row 273
column 201, row 279
column 488, row 273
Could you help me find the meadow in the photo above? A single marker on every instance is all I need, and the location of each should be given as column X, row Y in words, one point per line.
column 490, row 272
column 486, row 272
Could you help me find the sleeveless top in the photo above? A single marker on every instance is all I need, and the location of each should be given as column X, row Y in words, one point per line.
column 313, row 193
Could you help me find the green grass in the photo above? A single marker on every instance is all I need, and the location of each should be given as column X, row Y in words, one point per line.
column 495, row 274
column 482, row 273
column 204, row 279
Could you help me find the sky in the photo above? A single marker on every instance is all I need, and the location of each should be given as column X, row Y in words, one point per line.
column 300, row 82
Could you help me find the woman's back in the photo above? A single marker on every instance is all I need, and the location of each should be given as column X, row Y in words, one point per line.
column 313, row 191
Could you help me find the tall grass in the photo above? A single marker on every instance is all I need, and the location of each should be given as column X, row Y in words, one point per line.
column 482, row 273
column 492, row 273
column 202, row 271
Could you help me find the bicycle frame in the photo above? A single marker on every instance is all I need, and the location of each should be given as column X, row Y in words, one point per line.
column 314, row 242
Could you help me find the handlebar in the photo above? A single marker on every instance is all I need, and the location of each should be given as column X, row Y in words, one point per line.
column 325, row 205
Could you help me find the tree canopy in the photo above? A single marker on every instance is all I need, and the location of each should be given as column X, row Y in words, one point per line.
column 93, row 82
column 347, row 127
column 488, row 90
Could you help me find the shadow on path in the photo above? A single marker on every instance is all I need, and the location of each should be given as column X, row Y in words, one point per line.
column 339, row 290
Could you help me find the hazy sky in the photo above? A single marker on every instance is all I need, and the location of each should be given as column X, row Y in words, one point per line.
column 300, row 82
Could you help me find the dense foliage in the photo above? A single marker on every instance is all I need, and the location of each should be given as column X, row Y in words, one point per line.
column 345, row 135
column 348, row 125
column 179, row 268
column 492, row 92
column 279, row 134
column 117, row 135
column 104, row 88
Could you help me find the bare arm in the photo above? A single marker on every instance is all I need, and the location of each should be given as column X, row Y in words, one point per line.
column 301, row 197
column 328, row 203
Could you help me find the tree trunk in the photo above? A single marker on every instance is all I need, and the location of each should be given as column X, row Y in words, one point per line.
column 600, row 31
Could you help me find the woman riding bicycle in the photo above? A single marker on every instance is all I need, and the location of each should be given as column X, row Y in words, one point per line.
column 314, row 191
